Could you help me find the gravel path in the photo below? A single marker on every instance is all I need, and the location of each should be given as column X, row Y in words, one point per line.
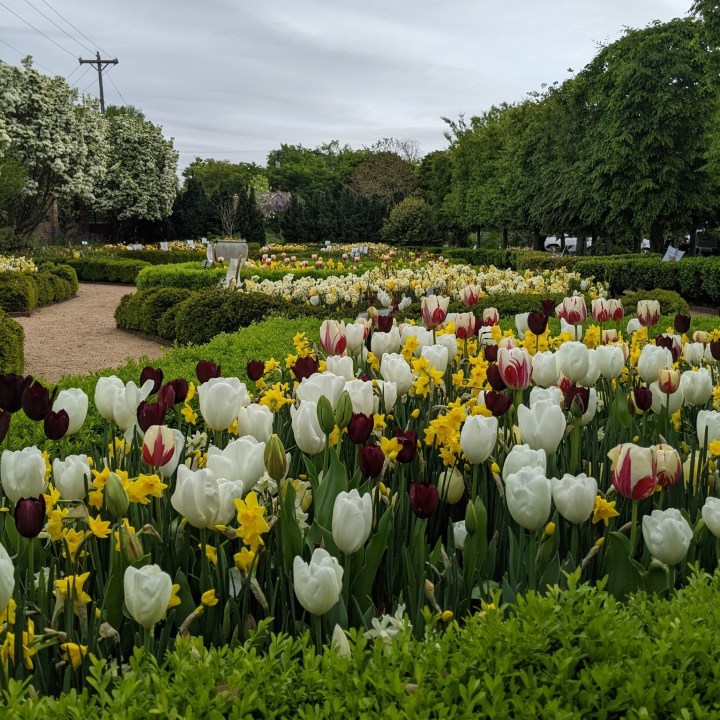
column 79, row 336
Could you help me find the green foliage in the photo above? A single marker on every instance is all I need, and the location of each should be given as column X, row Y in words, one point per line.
column 572, row 653
column 106, row 269
column 183, row 275
column 160, row 257
column 18, row 292
column 12, row 336
column 384, row 175
column 670, row 302
column 409, row 223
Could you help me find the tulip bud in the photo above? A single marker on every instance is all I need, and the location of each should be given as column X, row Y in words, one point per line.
column 56, row 424
column 4, row 424
column 130, row 545
column 325, row 415
column 344, row 410
column 305, row 367
column 668, row 465
column 648, row 312
column 181, row 387
column 275, row 460
column 206, row 370
column 681, row 323
column 116, row 497
column 30, row 516
column 537, row 322
column 7, row 577
column 147, row 594
column 339, row 642
column 12, row 388
column 408, row 440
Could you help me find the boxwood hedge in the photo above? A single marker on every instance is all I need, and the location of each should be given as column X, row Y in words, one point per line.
column 100, row 268
column 23, row 292
column 12, row 337
column 574, row 653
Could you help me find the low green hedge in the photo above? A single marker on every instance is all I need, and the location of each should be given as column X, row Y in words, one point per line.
column 161, row 257
column 12, row 352
column 575, row 653
column 23, row 292
column 143, row 310
column 184, row 275
column 100, row 268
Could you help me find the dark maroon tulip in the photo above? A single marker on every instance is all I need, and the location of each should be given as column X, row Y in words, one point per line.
column 149, row 414
column 371, row 460
column 360, row 427
column 4, row 424
column 255, row 369
column 577, row 399
column 408, row 439
column 56, row 424
column 667, row 341
column 305, row 367
column 180, row 386
column 537, row 322
column 494, row 378
column 365, row 378
column 154, row 374
column 682, row 323
column 36, row 401
column 384, row 323
column 715, row 349
column 12, row 387
column 498, row 403
column 424, row 499
column 641, row 399
column 206, row 370
column 30, row 516
column 166, row 395
column 548, row 307
column 491, row 353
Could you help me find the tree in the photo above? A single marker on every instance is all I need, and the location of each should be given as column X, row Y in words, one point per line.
column 58, row 140
column 194, row 215
column 141, row 178
column 214, row 175
column 405, row 148
column 647, row 146
column 409, row 223
column 384, row 175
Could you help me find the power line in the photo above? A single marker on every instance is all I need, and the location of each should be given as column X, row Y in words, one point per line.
column 77, row 67
column 107, row 75
column 74, row 28
column 64, row 49
column 82, row 45
column 22, row 54
column 210, row 152
column 87, row 70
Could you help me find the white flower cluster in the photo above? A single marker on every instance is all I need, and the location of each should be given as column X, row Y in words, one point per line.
column 16, row 264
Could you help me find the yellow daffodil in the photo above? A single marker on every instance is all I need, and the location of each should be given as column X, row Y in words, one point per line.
column 98, row 527
column 604, row 510
column 251, row 521
column 74, row 653
column 208, row 598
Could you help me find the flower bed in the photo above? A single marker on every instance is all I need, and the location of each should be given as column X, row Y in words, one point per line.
column 382, row 475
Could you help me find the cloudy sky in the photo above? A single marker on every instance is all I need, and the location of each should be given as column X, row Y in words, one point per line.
column 234, row 79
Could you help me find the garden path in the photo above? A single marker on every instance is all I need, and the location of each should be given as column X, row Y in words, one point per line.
column 79, row 336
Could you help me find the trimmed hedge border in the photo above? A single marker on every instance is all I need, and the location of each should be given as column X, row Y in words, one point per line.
column 107, row 269
column 23, row 292
column 12, row 345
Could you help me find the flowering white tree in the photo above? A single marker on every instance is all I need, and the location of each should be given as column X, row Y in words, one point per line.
column 141, row 178
column 58, row 139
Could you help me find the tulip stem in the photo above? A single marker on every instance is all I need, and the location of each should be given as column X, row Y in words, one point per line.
column 531, row 556
column 149, row 640
column 633, row 527
column 317, row 631
column 346, row 580
column 575, row 544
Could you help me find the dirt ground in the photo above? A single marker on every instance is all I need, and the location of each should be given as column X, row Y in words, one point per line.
column 79, row 335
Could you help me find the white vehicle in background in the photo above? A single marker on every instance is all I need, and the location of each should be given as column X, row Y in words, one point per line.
column 553, row 244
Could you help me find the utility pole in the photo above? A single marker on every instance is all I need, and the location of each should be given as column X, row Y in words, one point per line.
column 100, row 64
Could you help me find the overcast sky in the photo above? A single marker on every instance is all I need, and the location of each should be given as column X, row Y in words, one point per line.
column 233, row 79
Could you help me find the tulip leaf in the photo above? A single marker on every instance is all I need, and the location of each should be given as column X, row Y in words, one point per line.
column 334, row 482
column 551, row 575
column 291, row 538
column 186, row 605
column 319, row 536
column 361, row 585
column 620, row 408
column 476, row 548
column 114, row 595
column 624, row 575
column 657, row 579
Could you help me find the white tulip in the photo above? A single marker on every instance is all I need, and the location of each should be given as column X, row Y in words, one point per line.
column 220, row 401
column 147, row 594
column 693, row 352
column 544, row 369
column 241, row 461
column 448, row 341
column 362, row 396
column 667, row 535
column 306, row 428
column 22, row 473
column 388, row 392
column 522, row 456
column 204, row 499
column 355, row 336
column 633, row 326
column 593, row 372
column 610, row 361
column 7, row 578
column 437, row 356
column 708, row 421
column 652, row 359
column 74, row 402
column 478, row 438
column 385, row 342
column 573, row 360
column 317, row 585
column 341, row 365
column 394, row 368
column 589, row 413
column 529, row 497
column 72, row 477
column 327, row 384
column 451, row 485
column 711, row 515
column 459, row 534
column 542, row 427
column 696, row 386
column 521, row 323
column 551, row 394
column 660, row 399
column 574, row 496
column 255, row 420
column 351, row 520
